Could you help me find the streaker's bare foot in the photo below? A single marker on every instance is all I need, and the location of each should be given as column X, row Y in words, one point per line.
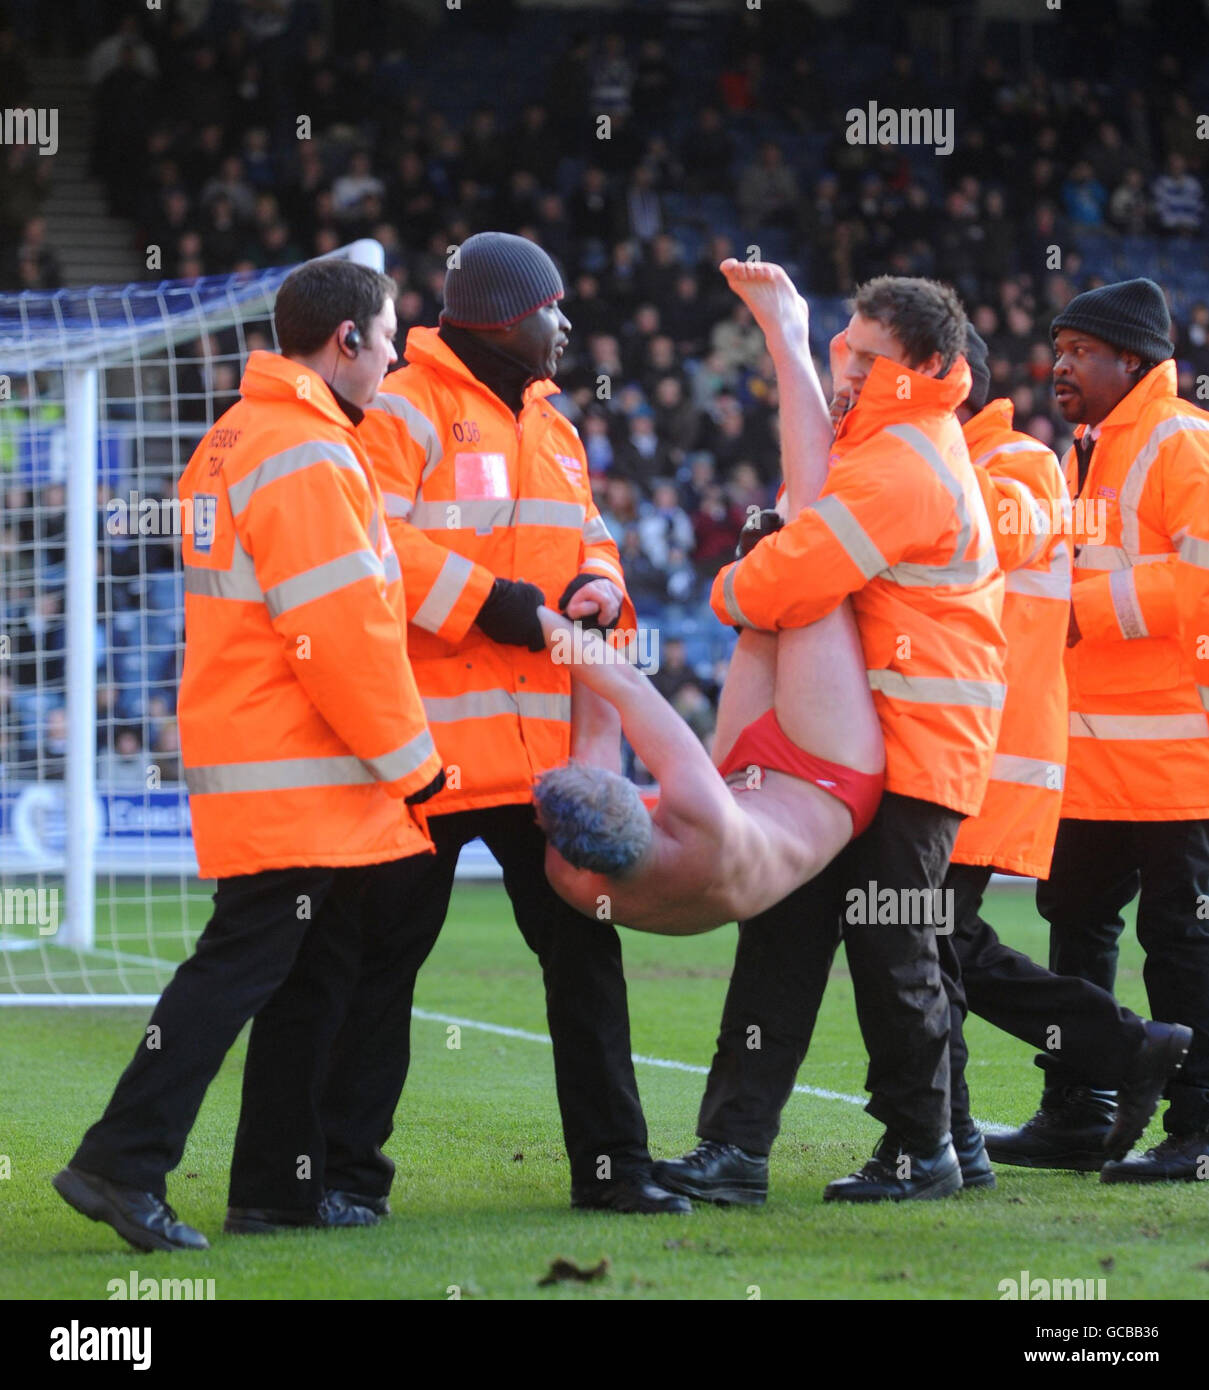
column 769, row 293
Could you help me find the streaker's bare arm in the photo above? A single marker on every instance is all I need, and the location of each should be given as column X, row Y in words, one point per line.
column 667, row 746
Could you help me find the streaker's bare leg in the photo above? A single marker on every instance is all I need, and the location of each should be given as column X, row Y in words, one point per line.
column 815, row 674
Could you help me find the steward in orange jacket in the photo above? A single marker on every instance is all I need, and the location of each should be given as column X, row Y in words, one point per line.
column 901, row 527
column 477, row 492
column 1135, row 815
column 291, row 586
column 488, row 501
column 303, row 738
column 1026, row 499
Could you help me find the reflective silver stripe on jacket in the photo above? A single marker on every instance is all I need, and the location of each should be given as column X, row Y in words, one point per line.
column 291, row 460
column 398, row 507
column 418, row 425
column 938, row 690
column 295, row 774
column 1135, row 480
column 1138, row 726
column 391, row 570
column 1014, row 446
column 957, row 570
column 597, row 562
column 1115, row 557
column 1125, row 605
column 322, row 580
column 1053, row 582
column 486, row 704
column 732, row 603
column 595, row 531
column 238, row 583
column 1039, row 526
column 858, row 545
column 483, row 513
column 1194, row 551
column 447, row 589
column 1027, row 772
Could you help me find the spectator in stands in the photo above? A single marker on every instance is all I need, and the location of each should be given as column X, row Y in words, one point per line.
column 768, row 190
column 1178, row 198
column 1129, row 206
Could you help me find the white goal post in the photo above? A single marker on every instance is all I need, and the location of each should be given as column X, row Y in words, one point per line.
column 104, row 394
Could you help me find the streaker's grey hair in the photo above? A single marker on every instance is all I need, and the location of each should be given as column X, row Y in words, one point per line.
column 595, row 819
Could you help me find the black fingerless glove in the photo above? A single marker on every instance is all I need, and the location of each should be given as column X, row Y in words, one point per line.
column 437, row 784
column 593, row 624
column 509, row 614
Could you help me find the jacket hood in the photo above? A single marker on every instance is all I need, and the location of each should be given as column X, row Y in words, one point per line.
column 425, row 348
column 992, row 420
column 883, row 401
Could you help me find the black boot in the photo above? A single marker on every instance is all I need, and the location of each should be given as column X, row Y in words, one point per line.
column 971, row 1150
column 1069, row 1131
column 895, row 1174
column 721, row 1173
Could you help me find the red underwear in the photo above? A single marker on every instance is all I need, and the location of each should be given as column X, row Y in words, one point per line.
column 764, row 744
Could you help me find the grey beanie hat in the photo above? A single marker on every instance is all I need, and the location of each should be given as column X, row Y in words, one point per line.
column 980, row 372
column 498, row 279
column 1131, row 315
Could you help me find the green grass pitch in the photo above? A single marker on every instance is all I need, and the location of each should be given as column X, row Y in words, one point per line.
column 481, row 1199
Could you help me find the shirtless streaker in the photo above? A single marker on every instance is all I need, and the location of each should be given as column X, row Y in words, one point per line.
column 798, row 741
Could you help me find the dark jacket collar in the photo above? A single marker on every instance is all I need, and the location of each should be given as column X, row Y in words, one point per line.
column 502, row 375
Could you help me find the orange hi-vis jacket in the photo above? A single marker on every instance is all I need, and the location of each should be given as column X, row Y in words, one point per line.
column 1139, row 732
column 473, row 494
column 901, row 527
column 1026, row 499
column 300, row 722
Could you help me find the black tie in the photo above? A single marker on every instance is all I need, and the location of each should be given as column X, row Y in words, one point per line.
column 1083, row 450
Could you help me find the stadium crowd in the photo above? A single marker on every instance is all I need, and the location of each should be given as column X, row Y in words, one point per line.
column 717, row 142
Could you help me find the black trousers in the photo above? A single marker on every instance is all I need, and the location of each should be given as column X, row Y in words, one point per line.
column 586, row 1008
column 1076, row 1023
column 284, row 946
column 1099, row 866
column 780, row 974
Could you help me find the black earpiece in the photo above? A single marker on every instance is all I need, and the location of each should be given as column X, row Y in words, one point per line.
column 352, row 341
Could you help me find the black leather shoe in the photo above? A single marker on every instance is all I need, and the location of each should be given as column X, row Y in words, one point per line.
column 1069, row 1131
column 971, row 1151
column 638, row 1193
column 380, row 1206
column 713, row 1172
column 1162, row 1055
column 334, row 1210
column 1179, row 1158
column 894, row 1174
column 140, row 1218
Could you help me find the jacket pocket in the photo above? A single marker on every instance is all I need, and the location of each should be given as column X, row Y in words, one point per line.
column 1122, row 668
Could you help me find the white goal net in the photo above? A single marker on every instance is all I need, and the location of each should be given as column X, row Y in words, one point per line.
column 104, row 394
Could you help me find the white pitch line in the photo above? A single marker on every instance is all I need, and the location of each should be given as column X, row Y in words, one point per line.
column 503, row 1031
column 666, row 1062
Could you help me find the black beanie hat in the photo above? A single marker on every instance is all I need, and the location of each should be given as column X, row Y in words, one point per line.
column 498, row 280
column 980, row 372
column 1131, row 315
